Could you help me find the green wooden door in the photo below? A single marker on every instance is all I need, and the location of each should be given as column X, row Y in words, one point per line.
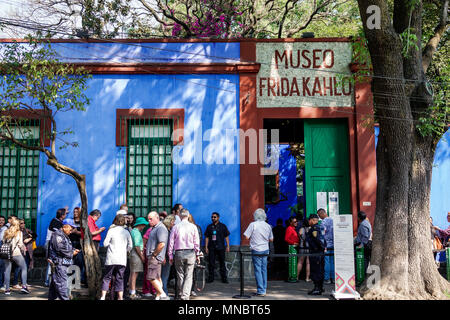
column 326, row 162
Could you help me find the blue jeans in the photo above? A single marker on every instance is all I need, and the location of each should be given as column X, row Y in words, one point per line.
column 47, row 275
column 260, row 268
column 18, row 271
column 20, row 262
column 2, row 270
column 329, row 266
column 165, row 272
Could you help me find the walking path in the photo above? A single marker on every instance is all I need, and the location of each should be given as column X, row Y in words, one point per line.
column 277, row 290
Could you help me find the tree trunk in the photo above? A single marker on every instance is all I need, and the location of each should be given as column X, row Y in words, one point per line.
column 416, row 277
column 401, row 234
column 90, row 255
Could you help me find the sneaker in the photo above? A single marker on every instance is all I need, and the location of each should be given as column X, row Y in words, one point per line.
column 256, row 294
column 8, row 292
column 164, row 298
column 25, row 290
column 193, row 294
column 17, row 286
column 3, row 289
column 327, row 281
column 308, row 280
column 134, row 296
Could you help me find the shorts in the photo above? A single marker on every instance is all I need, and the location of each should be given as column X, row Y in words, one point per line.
column 154, row 269
column 136, row 264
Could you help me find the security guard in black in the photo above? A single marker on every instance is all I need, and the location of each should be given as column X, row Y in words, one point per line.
column 317, row 263
column 215, row 235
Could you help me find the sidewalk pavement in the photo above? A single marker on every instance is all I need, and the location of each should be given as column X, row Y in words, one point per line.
column 277, row 290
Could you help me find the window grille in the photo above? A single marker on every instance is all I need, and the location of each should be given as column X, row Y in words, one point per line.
column 19, row 174
column 149, row 165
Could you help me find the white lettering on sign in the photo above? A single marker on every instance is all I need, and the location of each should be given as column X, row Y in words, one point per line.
column 73, row 278
column 304, row 74
column 367, row 204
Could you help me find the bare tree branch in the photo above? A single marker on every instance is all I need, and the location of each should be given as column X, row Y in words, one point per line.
column 433, row 42
column 310, row 19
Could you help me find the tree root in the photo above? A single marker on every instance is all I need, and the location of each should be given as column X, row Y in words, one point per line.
column 389, row 290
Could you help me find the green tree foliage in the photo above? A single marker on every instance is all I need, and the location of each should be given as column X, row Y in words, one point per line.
column 34, row 84
column 195, row 18
column 34, row 79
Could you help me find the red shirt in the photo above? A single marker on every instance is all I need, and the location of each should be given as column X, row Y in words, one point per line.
column 92, row 227
column 291, row 236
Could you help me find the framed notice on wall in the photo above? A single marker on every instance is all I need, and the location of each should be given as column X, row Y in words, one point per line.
column 344, row 264
column 322, row 200
column 333, row 204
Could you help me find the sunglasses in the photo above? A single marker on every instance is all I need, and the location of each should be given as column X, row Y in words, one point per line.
column 213, row 217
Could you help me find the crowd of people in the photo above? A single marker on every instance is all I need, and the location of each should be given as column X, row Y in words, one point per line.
column 440, row 240
column 308, row 236
column 162, row 246
column 20, row 257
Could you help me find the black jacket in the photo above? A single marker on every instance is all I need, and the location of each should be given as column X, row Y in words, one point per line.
column 60, row 248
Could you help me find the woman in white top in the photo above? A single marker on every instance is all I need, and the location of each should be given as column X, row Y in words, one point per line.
column 118, row 243
column 13, row 235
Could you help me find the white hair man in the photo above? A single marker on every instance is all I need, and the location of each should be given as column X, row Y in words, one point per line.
column 156, row 252
column 260, row 234
column 184, row 249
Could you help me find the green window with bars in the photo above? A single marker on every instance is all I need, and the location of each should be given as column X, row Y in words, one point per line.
column 149, row 166
column 19, row 174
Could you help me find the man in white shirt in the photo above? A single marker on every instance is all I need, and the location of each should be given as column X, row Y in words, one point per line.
column 260, row 234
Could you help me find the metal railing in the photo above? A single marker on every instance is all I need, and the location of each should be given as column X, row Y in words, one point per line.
column 241, row 295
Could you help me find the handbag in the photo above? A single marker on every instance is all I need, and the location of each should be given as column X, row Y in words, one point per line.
column 437, row 244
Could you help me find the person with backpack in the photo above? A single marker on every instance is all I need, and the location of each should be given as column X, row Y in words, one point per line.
column 13, row 237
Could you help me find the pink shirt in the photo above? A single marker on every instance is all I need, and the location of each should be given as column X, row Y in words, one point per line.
column 183, row 235
column 444, row 233
column 147, row 233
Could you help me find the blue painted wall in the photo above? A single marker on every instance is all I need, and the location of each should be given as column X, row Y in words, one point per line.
column 440, row 181
column 210, row 102
column 288, row 187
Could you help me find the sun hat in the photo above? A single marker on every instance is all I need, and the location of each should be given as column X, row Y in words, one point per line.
column 140, row 221
column 121, row 212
